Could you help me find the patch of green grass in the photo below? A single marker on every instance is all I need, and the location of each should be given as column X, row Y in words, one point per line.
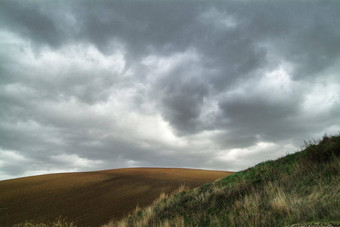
column 297, row 188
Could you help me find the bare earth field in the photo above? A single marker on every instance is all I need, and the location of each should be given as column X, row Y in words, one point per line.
column 92, row 198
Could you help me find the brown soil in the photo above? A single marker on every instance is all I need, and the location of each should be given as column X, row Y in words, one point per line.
column 92, row 198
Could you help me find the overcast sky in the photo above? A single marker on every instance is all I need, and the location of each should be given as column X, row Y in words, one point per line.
column 89, row 85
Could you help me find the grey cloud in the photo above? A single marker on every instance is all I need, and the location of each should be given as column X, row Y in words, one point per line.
column 74, row 83
column 182, row 96
column 15, row 169
column 236, row 138
column 257, row 114
column 31, row 20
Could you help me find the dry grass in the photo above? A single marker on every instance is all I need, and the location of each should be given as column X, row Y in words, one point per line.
column 281, row 202
column 92, row 198
column 147, row 214
column 59, row 222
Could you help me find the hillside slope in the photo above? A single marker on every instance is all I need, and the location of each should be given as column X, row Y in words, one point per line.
column 298, row 188
column 91, row 198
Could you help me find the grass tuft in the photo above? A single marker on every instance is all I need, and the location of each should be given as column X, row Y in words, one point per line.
column 58, row 222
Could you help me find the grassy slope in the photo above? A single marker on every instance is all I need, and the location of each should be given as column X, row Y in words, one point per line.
column 91, row 198
column 300, row 187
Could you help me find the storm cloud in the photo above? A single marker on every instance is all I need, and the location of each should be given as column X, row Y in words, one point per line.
column 89, row 85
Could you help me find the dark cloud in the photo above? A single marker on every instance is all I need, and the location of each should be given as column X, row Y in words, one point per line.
column 92, row 85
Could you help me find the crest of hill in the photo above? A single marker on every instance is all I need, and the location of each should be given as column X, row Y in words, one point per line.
column 298, row 188
column 90, row 198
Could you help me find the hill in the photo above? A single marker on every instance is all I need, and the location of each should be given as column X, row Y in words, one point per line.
column 298, row 188
column 91, row 198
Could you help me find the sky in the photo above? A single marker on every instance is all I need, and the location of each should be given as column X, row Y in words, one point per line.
column 91, row 85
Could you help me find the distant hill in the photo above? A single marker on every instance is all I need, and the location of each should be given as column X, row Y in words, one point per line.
column 301, row 189
column 92, row 198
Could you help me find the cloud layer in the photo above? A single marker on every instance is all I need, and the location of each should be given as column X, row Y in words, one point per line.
column 98, row 85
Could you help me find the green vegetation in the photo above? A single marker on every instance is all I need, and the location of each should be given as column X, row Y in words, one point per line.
column 299, row 188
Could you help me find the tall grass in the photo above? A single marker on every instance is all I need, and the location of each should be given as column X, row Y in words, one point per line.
column 300, row 187
column 146, row 215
